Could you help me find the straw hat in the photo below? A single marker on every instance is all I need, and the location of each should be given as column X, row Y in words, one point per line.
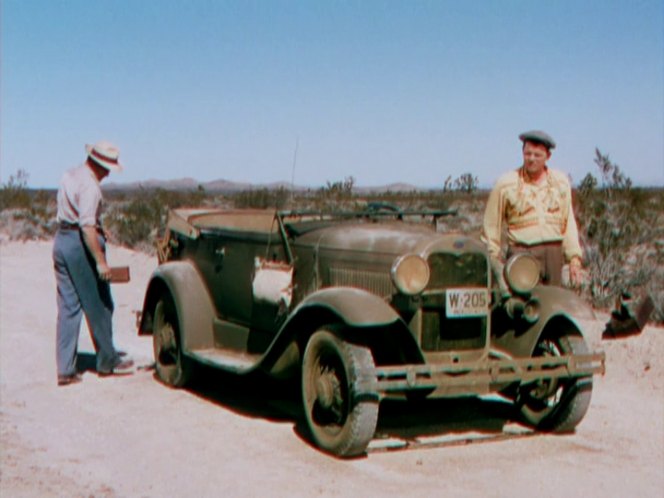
column 105, row 154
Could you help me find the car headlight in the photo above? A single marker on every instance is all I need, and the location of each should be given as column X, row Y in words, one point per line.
column 410, row 274
column 522, row 273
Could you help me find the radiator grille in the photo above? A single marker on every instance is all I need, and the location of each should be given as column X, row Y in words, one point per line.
column 458, row 270
column 440, row 333
column 378, row 283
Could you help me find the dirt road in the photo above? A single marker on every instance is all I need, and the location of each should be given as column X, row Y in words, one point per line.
column 133, row 437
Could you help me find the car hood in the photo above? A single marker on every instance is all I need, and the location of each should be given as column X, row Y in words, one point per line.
column 389, row 238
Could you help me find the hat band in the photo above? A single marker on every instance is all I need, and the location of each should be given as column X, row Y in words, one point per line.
column 102, row 157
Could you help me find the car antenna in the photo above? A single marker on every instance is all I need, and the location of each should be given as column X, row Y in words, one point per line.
column 292, row 192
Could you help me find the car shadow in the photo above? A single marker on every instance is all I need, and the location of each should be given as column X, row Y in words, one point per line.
column 254, row 395
column 434, row 423
column 402, row 424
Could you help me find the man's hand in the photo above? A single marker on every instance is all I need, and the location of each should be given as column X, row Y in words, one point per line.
column 104, row 271
column 90, row 238
column 575, row 272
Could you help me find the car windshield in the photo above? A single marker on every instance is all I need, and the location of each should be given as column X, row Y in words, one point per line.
column 301, row 222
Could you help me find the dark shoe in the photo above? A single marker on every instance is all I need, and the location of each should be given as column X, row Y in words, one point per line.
column 65, row 380
column 125, row 367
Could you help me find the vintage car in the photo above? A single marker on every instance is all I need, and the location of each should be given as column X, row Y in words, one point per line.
column 362, row 306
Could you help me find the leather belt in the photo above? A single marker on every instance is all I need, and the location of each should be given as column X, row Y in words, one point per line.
column 552, row 243
column 65, row 225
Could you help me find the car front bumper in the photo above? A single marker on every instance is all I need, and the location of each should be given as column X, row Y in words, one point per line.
column 476, row 377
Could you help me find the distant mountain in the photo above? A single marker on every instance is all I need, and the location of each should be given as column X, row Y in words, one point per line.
column 392, row 187
column 181, row 184
column 214, row 186
column 226, row 186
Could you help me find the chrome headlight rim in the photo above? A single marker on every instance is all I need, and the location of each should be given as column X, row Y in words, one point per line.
column 410, row 274
column 531, row 310
column 522, row 273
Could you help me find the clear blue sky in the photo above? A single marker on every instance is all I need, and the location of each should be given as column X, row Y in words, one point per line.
column 384, row 91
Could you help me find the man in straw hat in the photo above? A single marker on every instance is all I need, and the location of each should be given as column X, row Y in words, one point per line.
column 81, row 271
column 533, row 203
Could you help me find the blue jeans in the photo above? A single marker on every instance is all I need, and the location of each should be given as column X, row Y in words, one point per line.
column 80, row 291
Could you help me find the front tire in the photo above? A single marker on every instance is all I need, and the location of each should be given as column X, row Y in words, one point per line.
column 556, row 405
column 171, row 367
column 341, row 421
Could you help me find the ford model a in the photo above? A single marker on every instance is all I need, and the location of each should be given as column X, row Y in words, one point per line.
column 362, row 306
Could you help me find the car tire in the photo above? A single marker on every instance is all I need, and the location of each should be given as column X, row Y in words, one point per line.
column 171, row 367
column 341, row 421
column 556, row 405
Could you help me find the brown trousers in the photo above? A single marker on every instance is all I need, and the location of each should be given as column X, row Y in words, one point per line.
column 550, row 257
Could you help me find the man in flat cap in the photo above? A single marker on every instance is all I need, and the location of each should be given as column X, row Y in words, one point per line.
column 81, row 271
column 533, row 205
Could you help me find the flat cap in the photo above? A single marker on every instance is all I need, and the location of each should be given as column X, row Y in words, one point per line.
column 538, row 137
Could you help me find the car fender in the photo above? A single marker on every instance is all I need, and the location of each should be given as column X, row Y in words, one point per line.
column 559, row 308
column 359, row 311
column 356, row 307
column 192, row 301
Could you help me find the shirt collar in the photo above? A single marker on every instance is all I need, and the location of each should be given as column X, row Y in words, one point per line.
column 91, row 173
column 524, row 177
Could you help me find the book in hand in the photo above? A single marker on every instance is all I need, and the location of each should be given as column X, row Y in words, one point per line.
column 119, row 274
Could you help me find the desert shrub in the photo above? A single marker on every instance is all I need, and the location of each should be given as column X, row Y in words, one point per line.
column 337, row 195
column 14, row 193
column 26, row 214
column 263, row 198
column 466, row 183
column 137, row 222
column 618, row 227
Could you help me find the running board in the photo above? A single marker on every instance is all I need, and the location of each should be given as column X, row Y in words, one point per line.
column 233, row 361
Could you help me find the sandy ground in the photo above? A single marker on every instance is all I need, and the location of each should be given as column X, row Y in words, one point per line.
column 133, row 437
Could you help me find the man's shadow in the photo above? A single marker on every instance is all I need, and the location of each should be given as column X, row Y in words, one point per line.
column 87, row 362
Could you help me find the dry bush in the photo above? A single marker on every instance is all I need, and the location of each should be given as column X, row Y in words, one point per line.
column 14, row 194
column 621, row 231
column 137, row 222
column 23, row 224
column 262, row 198
column 25, row 214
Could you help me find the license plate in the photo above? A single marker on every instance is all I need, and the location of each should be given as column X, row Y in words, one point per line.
column 463, row 303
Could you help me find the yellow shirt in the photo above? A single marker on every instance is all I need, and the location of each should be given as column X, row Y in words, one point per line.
column 531, row 213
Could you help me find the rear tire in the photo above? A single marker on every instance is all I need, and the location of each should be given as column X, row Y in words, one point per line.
column 171, row 367
column 341, row 421
column 556, row 405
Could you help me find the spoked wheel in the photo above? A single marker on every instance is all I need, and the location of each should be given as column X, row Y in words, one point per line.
column 171, row 367
column 556, row 405
column 341, row 421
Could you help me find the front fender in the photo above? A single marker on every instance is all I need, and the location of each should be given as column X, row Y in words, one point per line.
column 557, row 299
column 192, row 301
column 366, row 318
column 559, row 308
column 355, row 307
